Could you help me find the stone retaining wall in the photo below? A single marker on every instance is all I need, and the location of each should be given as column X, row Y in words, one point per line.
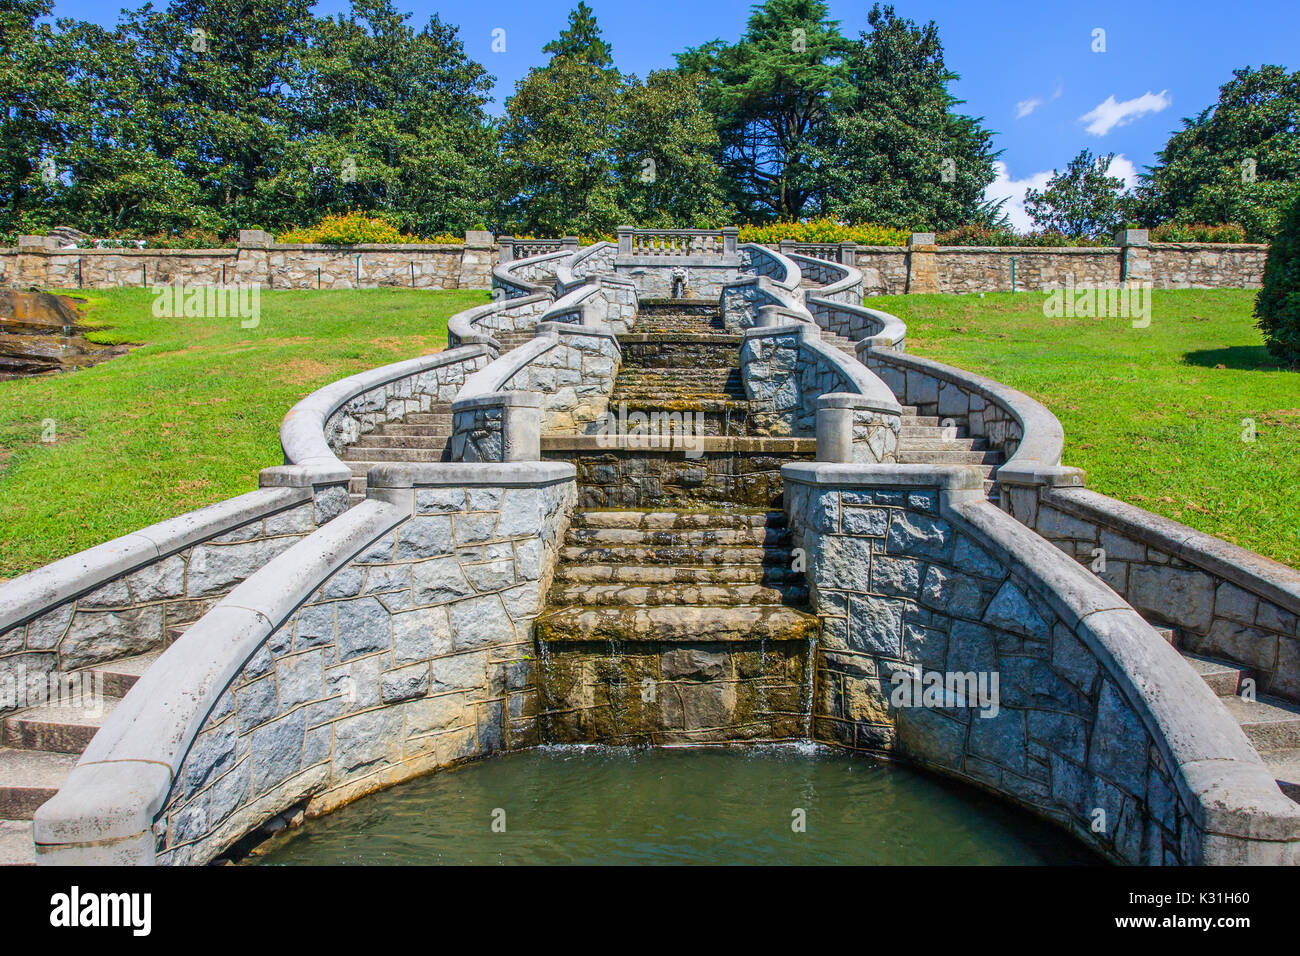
column 1094, row 722
column 396, row 641
column 123, row 597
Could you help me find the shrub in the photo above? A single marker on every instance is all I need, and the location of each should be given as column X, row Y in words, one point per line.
column 1277, row 307
column 1198, row 232
column 973, row 235
column 343, row 229
column 824, row 230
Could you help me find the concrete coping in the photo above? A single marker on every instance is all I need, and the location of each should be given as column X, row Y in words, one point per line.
column 36, row 592
column 575, row 299
column 1038, row 456
column 510, row 474
column 850, row 277
column 888, row 475
column 505, row 271
column 792, row 278
column 461, row 327
column 856, row 401
column 512, row 398
column 1215, row 768
column 107, row 797
column 302, row 430
column 1269, row 579
column 566, row 276
column 492, row 379
column 1030, row 250
column 893, row 330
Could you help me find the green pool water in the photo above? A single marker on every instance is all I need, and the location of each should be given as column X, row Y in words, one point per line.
column 676, row 805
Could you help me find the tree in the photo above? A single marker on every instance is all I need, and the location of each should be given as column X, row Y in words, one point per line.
column 559, row 139
column 1082, row 202
column 897, row 153
column 581, row 40
column 769, row 92
column 390, row 120
column 1277, row 306
column 1236, row 162
column 667, row 173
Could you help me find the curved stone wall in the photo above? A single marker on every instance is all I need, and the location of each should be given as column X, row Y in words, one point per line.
column 957, row 638
column 394, row 641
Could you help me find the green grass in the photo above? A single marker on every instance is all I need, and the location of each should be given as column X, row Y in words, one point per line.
column 1154, row 415
column 189, row 417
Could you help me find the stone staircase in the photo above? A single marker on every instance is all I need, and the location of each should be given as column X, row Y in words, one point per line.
column 420, row 436
column 39, row 746
column 1272, row 726
column 674, row 569
column 924, row 440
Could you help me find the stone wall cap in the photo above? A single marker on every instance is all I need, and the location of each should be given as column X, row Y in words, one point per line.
column 833, row 474
column 466, row 474
column 512, row 398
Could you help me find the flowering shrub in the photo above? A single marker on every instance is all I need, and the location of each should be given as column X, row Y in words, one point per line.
column 824, row 230
column 983, row 236
column 1197, row 232
column 350, row 228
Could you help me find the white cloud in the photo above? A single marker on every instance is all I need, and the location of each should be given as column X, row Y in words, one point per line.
column 1025, row 107
column 1122, row 167
column 1105, row 116
column 1013, row 191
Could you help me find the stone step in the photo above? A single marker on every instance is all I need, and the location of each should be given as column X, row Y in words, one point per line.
column 677, row 624
column 57, row 727
column 679, row 520
column 439, row 417
column 1285, row 767
column 936, row 442
column 434, row 442
column 647, row 574
column 701, row 538
column 564, row 595
column 931, row 431
column 120, row 676
column 1224, row 679
column 16, row 848
column 1270, row 724
column 370, row 454
column 637, row 555
column 30, row 777
column 404, row 428
column 944, row 456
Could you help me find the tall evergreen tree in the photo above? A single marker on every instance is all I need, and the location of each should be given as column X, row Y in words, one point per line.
column 897, row 152
column 1083, row 202
column 770, row 92
column 1237, row 161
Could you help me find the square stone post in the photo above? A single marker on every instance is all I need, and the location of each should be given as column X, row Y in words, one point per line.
column 1134, row 255
column 730, row 237
column 31, row 267
column 624, row 240
column 785, row 246
column 476, row 260
column 570, row 243
column 506, row 249
column 922, row 263
column 848, row 253
column 253, row 259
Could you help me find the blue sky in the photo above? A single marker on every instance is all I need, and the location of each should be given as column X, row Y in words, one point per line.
column 1027, row 66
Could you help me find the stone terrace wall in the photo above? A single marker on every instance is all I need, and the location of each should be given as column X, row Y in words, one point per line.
column 915, row 580
column 1193, row 265
column 259, row 261
column 123, row 597
column 1223, row 601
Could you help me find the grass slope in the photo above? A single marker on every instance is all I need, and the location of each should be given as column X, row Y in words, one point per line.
column 189, row 417
column 1154, row 415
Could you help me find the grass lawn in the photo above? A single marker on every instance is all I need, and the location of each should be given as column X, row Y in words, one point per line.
column 1155, row 415
column 189, row 417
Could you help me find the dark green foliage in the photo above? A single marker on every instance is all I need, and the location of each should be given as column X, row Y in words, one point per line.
column 1081, row 202
column 1277, row 307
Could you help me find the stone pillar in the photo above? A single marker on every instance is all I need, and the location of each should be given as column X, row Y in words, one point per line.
column 1134, row 256
column 476, row 260
column 922, row 263
column 253, row 258
column 858, row 429
column 506, row 249
column 31, row 268
column 730, row 239
column 834, row 432
column 521, row 428
column 785, row 247
column 624, row 240
column 848, row 253
column 570, row 243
